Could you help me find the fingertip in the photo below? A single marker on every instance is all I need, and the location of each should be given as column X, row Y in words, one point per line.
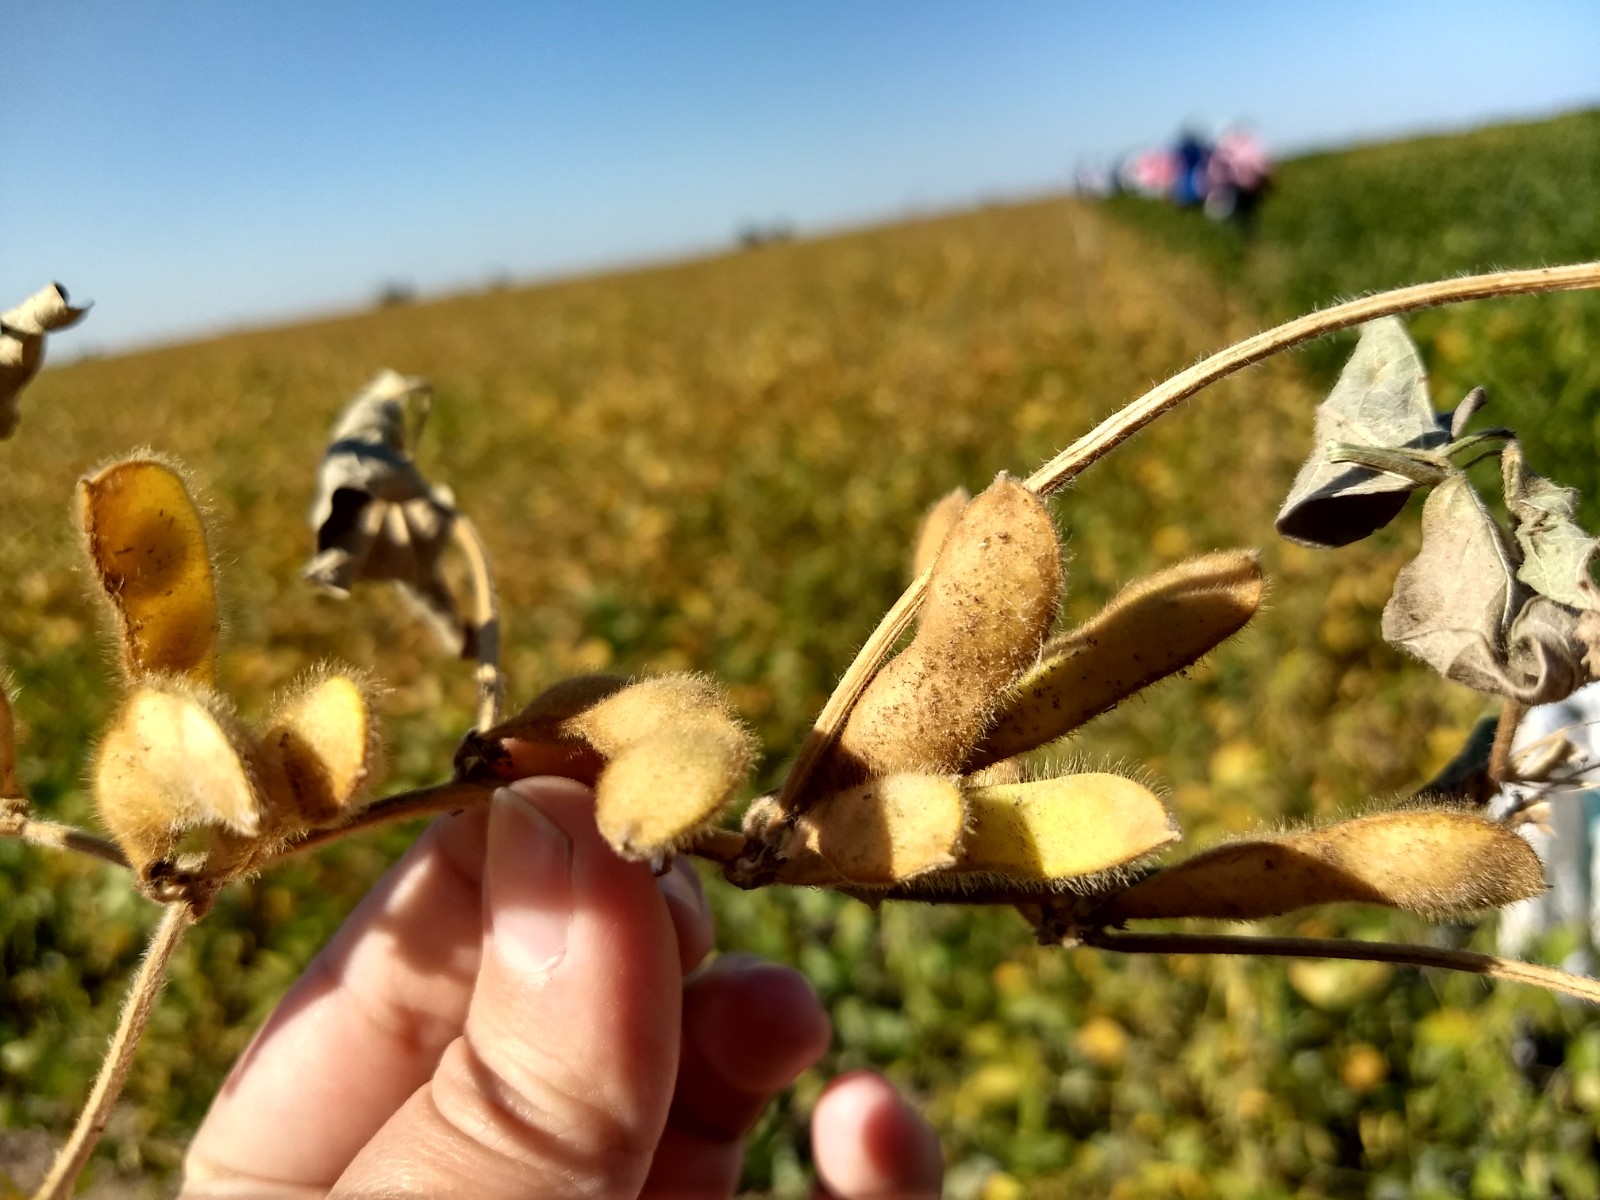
column 868, row 1142
column 757, row 1024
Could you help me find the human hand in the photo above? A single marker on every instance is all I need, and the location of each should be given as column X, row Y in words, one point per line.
column 507, row 1015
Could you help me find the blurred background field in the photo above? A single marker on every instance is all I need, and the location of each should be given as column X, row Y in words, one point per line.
column 718, row 465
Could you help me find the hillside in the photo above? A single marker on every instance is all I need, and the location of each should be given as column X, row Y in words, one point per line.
column 718, row 466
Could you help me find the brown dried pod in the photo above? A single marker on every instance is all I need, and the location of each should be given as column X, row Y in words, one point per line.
column 324, row 744
column 936, row 525
column 375, row 516
column 674, row 753
column 1440, row 863
column 879, row 833
column 1154, row 627
column 174, row 758
column 22, row 334
column 991, row 600
column 147, row 546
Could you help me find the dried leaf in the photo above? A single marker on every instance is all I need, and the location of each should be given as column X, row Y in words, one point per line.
column 1381, row 399
column 174, row 759
column 147, row 545
column 1544, row 657
column 1556, row 551
column 325, row 746
column 936, row 525
column 991, row 600
column 1465, row 411
column 1453, row 604
column 1439, row 863
column 1154, row 627
column 375, row 516
column 1050, row 832
column 879, row 833
column 22, row 333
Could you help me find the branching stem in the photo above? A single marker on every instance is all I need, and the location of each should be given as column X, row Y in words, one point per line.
column 1469, row 961
column 1122, row 425
column 486, row 618
column 136, row 1011
column 403, row 806
column 35, row 832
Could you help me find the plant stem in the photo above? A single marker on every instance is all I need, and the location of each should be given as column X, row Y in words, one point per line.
column 1118, row 428
column 1511, row 714
column 60, row 837
column 486, row 618
column 1471, row 962
column 403, row 806
column 136, row 1011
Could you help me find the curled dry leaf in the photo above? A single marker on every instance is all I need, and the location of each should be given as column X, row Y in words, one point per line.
column 324, row 746
column 1457, row 607
column 879, row 833
column 174, row 758
column 674, row 753
column 1381, row 399
column 22, row 333
column 1152, row 628
column 1439, row 863
column 990, row 602
column 936, row 525
column 1556, row 551
column 147, row 546
column 375, row 516
column 1046, row 834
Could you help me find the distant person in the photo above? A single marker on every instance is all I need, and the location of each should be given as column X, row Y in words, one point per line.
column 1149, row 173
column 1237, row 176
column 1192, row 160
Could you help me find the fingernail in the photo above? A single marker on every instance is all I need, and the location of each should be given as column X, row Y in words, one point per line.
column 528, row 884
column 682, row 890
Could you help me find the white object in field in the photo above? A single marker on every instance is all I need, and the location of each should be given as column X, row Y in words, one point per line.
column 1571, row 847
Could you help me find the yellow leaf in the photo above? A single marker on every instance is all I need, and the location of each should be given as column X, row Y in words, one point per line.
column 148, row 548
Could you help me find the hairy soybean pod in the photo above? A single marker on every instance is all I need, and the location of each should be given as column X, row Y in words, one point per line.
column 991, row 599
column 147, row 546
column 1154, row 627
column 881, row 832
column 1436, row 862
column 174, row 759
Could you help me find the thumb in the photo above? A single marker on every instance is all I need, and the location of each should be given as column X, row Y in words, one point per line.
column 561, row 1080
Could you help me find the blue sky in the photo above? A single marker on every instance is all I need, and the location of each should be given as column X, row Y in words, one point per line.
column 199, row 166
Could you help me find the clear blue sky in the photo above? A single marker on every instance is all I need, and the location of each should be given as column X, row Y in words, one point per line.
column 193, row 166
